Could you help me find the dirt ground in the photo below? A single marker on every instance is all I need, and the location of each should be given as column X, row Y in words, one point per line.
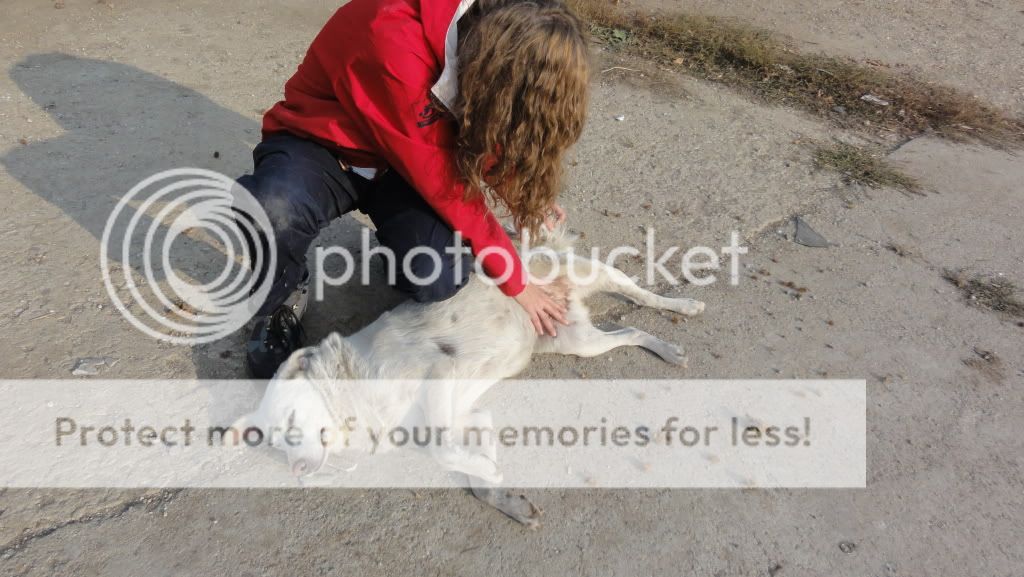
column 974, row 45
column 96, row 96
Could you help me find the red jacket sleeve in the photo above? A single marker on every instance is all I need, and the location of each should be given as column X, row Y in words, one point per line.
column 414, row 139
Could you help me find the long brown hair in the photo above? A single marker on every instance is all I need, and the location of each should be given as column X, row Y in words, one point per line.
column 523, row 74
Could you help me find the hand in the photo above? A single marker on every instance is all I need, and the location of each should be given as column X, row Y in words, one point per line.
column 555, row 218
column 543, row 309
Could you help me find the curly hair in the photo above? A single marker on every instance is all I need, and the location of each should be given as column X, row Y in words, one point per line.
column 523, row 75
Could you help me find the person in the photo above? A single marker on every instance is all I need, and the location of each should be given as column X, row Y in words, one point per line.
column 423, row 115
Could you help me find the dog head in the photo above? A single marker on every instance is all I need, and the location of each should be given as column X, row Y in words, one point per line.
column 294, row 414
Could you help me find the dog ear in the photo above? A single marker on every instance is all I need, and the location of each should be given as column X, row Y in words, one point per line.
column 334, row 359
column 334, row 341
column 333, row 351
column 295, row 365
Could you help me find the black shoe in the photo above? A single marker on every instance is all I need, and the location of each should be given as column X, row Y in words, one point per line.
column 273, row 339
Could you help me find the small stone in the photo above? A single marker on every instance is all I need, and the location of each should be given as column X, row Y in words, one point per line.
column 806, row 235
column 89, row 366
column 847, row 546
column 872, row 99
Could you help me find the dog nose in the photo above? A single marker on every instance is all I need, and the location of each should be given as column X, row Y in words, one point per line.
column 301, row 468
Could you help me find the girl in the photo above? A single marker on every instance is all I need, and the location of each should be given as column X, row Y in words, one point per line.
column 421, row 113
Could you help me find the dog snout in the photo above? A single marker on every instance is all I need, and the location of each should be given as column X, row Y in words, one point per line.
column 302, row 468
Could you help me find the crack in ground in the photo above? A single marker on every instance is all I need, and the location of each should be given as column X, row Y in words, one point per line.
column 150, row 501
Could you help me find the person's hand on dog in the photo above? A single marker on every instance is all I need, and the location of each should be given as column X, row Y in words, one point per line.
column 555, row 218
column 542, row 308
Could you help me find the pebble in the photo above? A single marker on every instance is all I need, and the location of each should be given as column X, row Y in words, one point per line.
column 871, row 98
column 88, row 366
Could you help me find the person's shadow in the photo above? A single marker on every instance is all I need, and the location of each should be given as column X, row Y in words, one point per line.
column 122, row 125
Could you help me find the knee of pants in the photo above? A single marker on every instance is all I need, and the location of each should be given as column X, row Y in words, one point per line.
column 288, row 206
column 430, row 288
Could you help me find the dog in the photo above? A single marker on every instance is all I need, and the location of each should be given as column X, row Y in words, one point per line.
column 446, row 355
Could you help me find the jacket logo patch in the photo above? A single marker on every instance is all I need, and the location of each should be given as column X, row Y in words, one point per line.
column 429, row 115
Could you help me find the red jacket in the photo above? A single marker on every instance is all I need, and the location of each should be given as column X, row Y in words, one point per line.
column 364, row 90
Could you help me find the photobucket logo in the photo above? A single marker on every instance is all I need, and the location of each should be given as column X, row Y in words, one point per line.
column 551, row 257
column 215, row 216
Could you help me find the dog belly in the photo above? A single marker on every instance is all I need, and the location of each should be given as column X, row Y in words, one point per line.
column 478, row 333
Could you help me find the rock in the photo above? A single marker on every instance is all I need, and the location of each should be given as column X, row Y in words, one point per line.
column 89, row 366
column 806, row 235
column 874, row 100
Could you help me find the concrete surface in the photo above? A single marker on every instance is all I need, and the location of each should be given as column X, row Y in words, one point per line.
column 104, row 94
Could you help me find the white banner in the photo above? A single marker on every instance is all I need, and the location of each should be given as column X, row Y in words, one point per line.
column 538, row 433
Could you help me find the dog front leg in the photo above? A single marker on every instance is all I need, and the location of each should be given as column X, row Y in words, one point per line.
column 478, row 436
column 513, row 504
column 440, row 417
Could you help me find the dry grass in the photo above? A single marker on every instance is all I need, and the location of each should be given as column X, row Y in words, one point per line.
column 994, row 294
column 860, row 166
column 987, row 363
column 835, row 88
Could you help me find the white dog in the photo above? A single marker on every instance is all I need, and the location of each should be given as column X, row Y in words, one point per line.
column 449, row 353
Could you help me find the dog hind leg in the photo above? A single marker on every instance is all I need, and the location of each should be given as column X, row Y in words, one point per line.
column 605, row 278
column 585, row 340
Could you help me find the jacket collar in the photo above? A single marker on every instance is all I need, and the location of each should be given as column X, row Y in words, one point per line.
column 440, row 23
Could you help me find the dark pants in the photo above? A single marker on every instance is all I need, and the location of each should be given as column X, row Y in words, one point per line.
column 302, row 188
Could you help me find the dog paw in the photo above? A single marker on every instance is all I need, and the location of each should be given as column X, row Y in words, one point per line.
column 687, row 307
column 672, row 354
column 515, row 505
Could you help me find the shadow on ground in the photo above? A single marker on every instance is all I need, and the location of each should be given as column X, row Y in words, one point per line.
column 123, row 124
